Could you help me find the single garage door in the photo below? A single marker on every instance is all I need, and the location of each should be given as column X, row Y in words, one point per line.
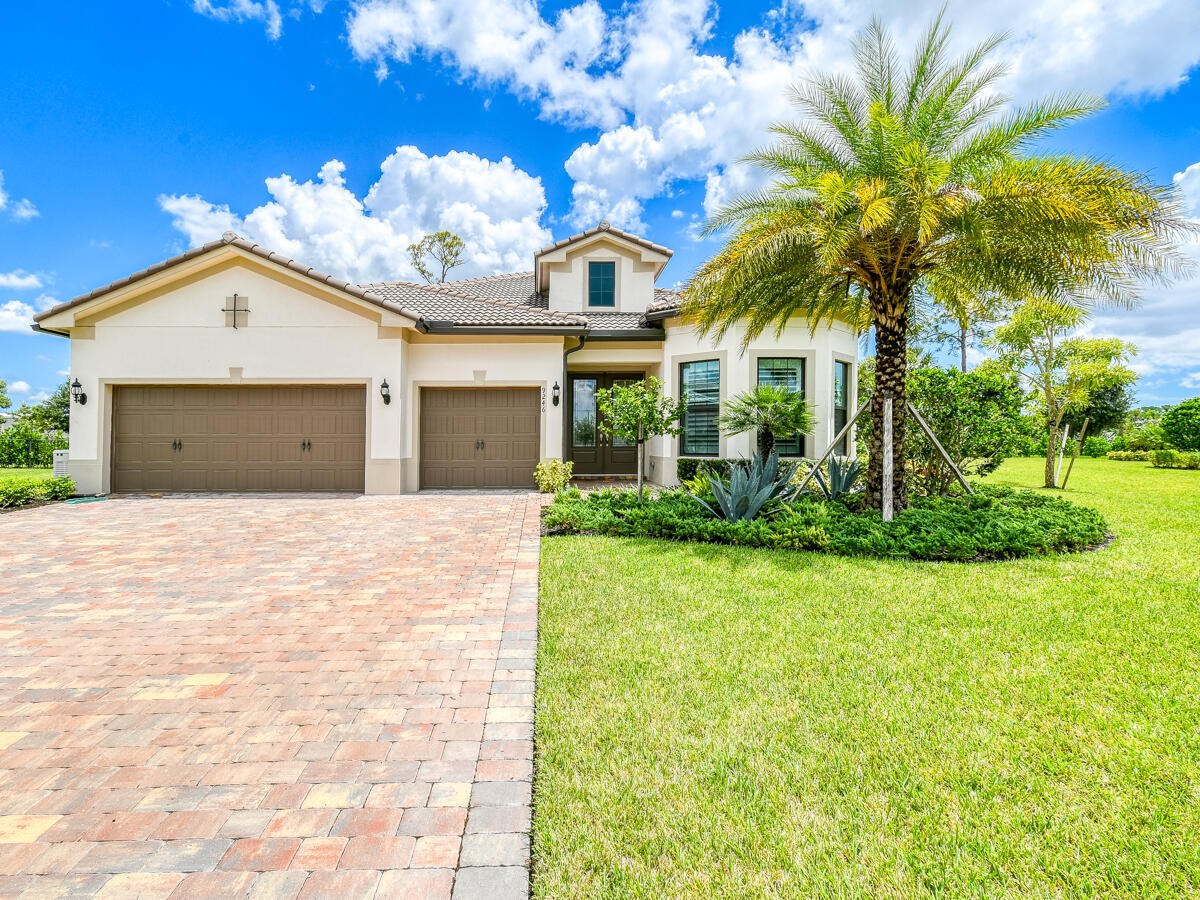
column 280, row 438
column 479, row 437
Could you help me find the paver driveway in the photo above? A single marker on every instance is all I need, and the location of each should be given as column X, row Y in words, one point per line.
column 268, row 697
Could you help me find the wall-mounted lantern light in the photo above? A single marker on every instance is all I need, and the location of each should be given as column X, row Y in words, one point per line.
column 385, row 392
column 556, row 392
column 77, row 393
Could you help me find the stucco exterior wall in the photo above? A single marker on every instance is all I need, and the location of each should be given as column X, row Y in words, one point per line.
column 180, row 337
column 739, row 370
column 635, row 277
column 480, row 361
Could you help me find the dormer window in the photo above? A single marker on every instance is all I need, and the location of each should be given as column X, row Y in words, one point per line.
column 602, row 284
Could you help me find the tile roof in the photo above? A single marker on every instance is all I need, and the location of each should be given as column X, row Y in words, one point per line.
column 604, row 226
column 507, row 300
column 442, row 303
column 231, row 239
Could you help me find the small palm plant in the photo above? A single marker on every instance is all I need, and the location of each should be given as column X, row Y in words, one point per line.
column 770, row 411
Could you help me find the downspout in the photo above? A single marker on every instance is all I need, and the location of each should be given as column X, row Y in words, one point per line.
column 565, row 384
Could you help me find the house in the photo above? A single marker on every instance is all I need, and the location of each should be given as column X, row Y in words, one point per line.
column 232, row 368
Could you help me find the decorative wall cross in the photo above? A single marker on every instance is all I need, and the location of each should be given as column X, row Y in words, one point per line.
column 236, row 311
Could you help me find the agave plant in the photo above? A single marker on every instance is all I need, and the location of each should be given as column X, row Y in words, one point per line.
column 750, row 488
column 843, row 473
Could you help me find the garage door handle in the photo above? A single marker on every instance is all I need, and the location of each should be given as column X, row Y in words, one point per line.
column 306, row 445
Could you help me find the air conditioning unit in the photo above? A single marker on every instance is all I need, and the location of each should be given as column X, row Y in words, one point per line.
column 61, row 457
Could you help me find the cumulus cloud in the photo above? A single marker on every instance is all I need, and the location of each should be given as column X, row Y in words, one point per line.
column 494, row 207
column 16, row 315
column 265, row 11
column 20, row 387
column 19, row 210
column 670, row 110
column 1166, row 327
column 20, row 280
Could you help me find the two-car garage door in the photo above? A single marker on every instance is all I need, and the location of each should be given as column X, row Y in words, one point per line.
column 238, row 438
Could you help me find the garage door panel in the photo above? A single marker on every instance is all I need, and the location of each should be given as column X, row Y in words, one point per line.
column 239, row 438
column 506, row 420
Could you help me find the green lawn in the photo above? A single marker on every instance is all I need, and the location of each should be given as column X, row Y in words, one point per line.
column 720, row 722
column 8, row 474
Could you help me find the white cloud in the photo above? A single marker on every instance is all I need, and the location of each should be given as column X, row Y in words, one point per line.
column 62, row 373
column 20, row 210
column 1166, row 327
column 1191, row 380
column 265, row 11
column 18, row 316
column 20, row 280
column 20, row 387
column 494, row 206
column 39, row 397
column 669, row 110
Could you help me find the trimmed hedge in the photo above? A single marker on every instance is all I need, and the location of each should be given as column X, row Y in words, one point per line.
column 995, row 523
column 1130, row 455
column 22, row 491
column 1174, row 459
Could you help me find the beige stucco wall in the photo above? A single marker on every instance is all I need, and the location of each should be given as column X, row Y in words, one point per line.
column 635, row 270
column 180, row 337
column 481, row 361
column 739, row 371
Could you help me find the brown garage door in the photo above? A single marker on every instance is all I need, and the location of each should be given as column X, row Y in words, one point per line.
column 293, row 438
column 479, row 437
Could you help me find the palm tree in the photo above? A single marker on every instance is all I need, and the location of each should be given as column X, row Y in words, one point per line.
column 770, row 411
column 908, row 178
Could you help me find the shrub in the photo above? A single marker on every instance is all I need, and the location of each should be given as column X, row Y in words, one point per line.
column 1148, row 437
column 21, row 491
column 1175, row 459
column 1095, row 447
column 994, row 523
column 553, row 475
column 688, row 468
column 1130, row 455
column 23, row 446
column 976, row 417
column 1181, row 425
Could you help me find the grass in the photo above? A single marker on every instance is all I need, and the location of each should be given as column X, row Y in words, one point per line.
column 726, row 722
column 10, row 474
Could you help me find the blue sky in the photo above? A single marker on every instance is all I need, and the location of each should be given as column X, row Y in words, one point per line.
column 338, row 132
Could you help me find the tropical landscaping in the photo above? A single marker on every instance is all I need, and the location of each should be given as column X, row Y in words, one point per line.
column 729, row 721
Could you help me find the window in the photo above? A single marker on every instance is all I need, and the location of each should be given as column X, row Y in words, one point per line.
column 841, row 403
column 602, row 284
column 786, row 372
column 583, row 413
column 700, row 384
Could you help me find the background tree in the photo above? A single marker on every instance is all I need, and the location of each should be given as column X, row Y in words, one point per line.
column 961, row 322
column 770, row 411
column 1104, row 410
column 5, row 403
column 434, row 255
column 638, row 411
column 52, row 415
column 1064, row 372
column 1181, row 425
column 907, row 178
column 977, row 417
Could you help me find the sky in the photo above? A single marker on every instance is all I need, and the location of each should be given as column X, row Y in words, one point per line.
column 339, row 131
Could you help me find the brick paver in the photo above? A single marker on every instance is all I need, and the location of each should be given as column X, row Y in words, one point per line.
column 268, row 697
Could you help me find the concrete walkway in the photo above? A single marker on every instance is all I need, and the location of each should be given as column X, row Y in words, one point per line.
column 268, row 697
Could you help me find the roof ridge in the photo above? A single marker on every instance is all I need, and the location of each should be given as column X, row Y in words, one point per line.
column 494, row 277
column 610, row 229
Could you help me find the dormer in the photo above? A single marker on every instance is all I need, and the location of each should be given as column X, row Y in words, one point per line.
column 602, row 269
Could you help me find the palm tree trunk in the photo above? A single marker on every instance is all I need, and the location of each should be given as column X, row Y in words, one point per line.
column 962, row 347
column 891, row 369
column 641, row 442
column 766, row 442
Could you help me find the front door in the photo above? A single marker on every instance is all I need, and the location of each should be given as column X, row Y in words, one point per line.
column 593, row 451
